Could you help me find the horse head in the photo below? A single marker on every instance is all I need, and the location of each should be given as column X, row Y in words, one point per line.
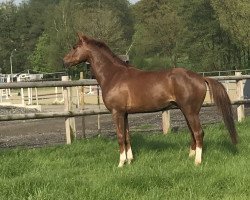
column 79, row 52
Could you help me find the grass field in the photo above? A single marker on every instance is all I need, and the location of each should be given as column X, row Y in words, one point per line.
column 87, row 169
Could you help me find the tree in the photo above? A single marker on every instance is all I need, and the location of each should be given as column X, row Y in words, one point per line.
column 67, row 18
column 202, row 34
column 158, row 29
column 7, row 34
column 41, row 52
column 21, row 26
column 234, row 17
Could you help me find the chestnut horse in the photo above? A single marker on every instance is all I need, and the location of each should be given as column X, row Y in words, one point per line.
column 126, row 90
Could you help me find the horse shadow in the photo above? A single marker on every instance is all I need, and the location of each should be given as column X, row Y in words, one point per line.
column 140, row 142
column 224, row 146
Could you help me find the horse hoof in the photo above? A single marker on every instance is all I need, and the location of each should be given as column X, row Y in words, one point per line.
column 197, row 163
column 121, row 164
column 130, row 161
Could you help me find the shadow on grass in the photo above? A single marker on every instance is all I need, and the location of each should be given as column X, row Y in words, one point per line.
column 152, row 143
column 222, row 146
column 144, row 183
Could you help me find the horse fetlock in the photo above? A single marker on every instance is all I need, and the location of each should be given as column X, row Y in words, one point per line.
column 198, row 155
column 123, row 159
column 129, row 154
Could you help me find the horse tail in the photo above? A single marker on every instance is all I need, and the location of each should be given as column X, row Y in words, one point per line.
column 222, row 101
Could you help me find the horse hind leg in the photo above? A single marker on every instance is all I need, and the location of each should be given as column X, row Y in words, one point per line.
column 197, row 137
column 127, row 141
column 192, row 146
column 193, row 142
column 119, row 123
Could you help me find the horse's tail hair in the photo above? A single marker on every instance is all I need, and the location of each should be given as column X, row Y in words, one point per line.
column 222, row 101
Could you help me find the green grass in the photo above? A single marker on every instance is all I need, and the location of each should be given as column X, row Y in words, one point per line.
column 87, row 169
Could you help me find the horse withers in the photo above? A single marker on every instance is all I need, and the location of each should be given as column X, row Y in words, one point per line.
column 127, row 90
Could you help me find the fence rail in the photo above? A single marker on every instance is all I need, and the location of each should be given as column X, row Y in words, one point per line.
column 69, row 114
column 87, row 112
column 44, row 115
column 224, row 72
column 86, row 82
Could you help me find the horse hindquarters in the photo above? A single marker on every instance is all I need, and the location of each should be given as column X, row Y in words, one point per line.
column 190, row 91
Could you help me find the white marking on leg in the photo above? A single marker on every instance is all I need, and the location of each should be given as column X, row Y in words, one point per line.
column 129, row 155
column 191, row 153
column 122, row 159
column 198, row 155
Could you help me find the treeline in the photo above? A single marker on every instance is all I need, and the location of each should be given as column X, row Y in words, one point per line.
column 202, row 35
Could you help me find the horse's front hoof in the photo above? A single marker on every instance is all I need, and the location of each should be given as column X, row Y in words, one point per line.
column 121, row 164
column 130, row 161
column 197, row 162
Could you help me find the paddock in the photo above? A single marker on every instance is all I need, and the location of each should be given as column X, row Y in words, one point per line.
column 37, row 130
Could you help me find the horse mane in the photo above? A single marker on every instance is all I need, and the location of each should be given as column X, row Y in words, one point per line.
column 102, row 45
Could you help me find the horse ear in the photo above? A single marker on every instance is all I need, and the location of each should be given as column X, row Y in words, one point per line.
column 79, row 34
column 82, row 37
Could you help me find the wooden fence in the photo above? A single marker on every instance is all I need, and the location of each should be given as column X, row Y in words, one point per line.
column 69, row 114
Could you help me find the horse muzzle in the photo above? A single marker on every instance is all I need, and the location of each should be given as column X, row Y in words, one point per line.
column 66, row 64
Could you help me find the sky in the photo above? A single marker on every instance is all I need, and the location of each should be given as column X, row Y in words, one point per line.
column 18, row 1
column 133, row 1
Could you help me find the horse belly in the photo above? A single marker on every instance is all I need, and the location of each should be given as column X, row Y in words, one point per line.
column 148, row 100
column 136, row 96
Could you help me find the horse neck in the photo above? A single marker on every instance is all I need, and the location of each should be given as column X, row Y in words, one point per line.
column 104, row 67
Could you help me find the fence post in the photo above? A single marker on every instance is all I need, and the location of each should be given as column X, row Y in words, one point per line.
column 240, row 96
column 82, row 105
column 22, row 96
column 36, row 96
column 28, row 91
column 77, row 96
column 7, row 93
column 69, row 121
column 56, row 92
column 165, row 121
column 1, row 95
column 72, row 119
column 30, row 96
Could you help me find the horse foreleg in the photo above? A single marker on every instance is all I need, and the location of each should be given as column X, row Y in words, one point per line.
column 119, row 123
column 127, row 140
